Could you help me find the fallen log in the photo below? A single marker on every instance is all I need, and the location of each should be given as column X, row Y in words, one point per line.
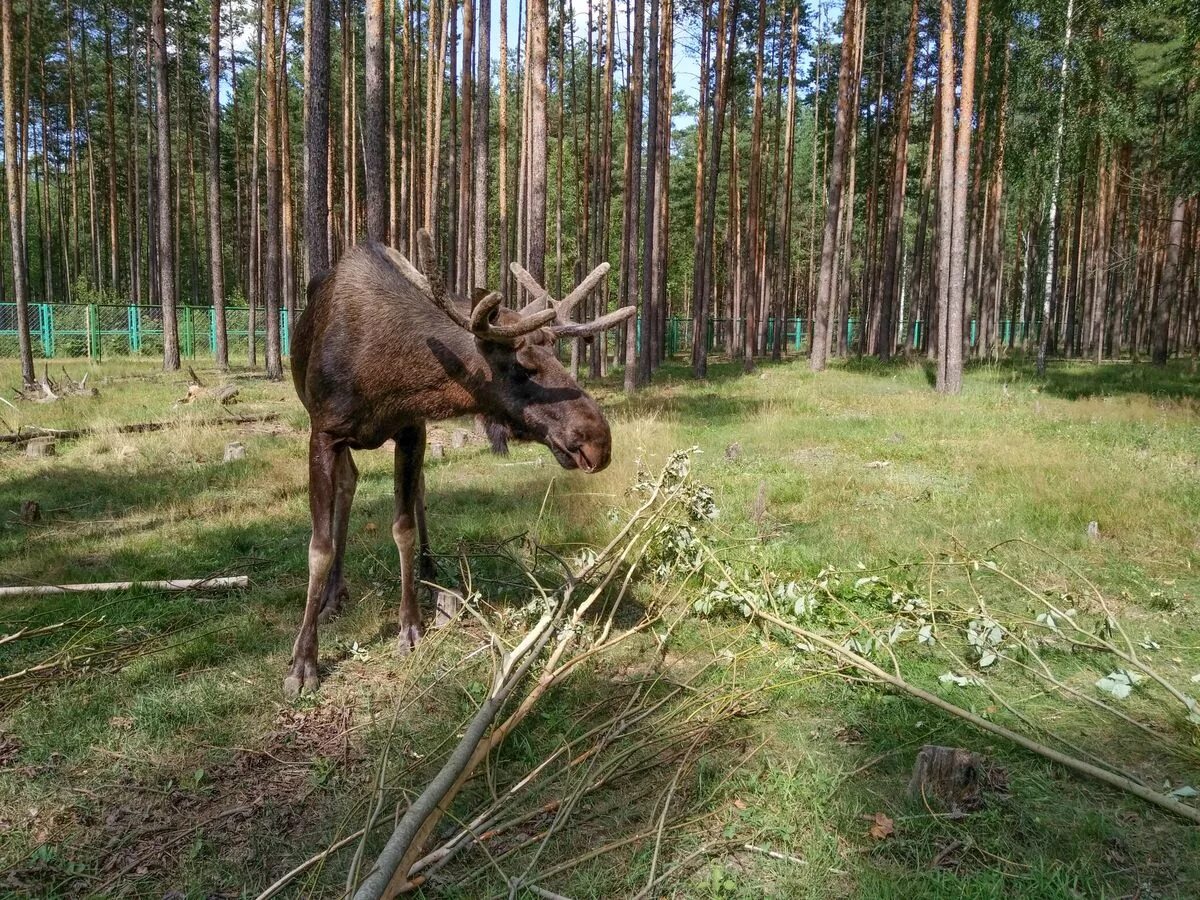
column 28, row 433
column 179, row 584
column 198, row 390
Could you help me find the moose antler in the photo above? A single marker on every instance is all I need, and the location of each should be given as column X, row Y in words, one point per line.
column 480, row 323
column 563, row 325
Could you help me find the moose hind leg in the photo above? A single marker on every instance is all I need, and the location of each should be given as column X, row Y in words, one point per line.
column 427, row 567
column 322, row 472
column 410, row 457
column 344, row 484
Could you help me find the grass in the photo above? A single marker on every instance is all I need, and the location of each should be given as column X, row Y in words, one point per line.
column 185, row 770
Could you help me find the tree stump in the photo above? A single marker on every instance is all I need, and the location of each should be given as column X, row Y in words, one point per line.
column 447, row 607
column 437, row 450
column 950, row 776
column 30, row 512
column 235, row 450
column 458, row 440
column 40, row 447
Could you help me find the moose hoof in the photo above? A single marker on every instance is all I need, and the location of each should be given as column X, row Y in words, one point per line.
column 410, row 636
column 331, row 607
column 301, row 679
column 429, row 570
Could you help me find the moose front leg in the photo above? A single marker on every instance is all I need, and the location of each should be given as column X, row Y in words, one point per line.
column 323, row 464
column 345, row 482
column 410, row 457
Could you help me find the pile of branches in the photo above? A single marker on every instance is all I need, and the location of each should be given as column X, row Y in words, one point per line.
column 882, row 628
column 47, row 390
column 631, row 757
column 876, row 626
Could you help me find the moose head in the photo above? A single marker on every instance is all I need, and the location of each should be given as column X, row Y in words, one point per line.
column 528, row 395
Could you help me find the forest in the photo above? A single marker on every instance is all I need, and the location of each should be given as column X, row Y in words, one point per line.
column 952, row 180
column 847, row 543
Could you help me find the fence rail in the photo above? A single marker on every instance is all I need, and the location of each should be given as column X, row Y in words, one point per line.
column 97, row 330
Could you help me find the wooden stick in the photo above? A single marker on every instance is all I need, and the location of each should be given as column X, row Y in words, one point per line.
column 181, row 584
column 29, row 433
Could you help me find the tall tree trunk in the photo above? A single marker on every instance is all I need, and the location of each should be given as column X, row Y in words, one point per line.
column 166, row 247
column 272, row 269
column 12, row 176
column 886, row 338
column 256, row 244
column 1052, row 230
column 287, row 255
column 950, row 357
column 111, row 124
column 374, row 137
column 1169, row 292
column 789, row 143
column 483, row 99
column 633, row 188
column 701, row 295
column 650, row 226
column 536, row 219
column 751, row 297
column 133, row 179
column 316, row 140
column 502, row 186
column 700, row 132
column 819, row 352
column 217, row 268
column 466, row 198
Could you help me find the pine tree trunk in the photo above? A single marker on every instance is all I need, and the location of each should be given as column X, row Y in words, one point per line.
column 726, row 37
column 536, row 220
column 132, row 177
column 479, row 154
column 466, row 198
column 502, row 185
column 256, row 241
column 287, row 254
column 13, row 175
column 217, row 268
column 166, row 249
column 111, row 123
column 1052, row 231
column 650, row 211
column 751, row 297
column 886, row 337
column 819, row 352
column 316, row 140
column 374, row 145
column 950, row 358
column 789, row 143
column 272, row 252
column 1168, row 295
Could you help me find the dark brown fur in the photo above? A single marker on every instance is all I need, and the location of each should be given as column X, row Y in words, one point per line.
column 373, row 358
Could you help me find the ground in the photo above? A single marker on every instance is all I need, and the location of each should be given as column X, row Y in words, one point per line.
column 156, row 756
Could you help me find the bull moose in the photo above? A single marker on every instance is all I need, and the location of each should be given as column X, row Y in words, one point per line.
column 380, row 350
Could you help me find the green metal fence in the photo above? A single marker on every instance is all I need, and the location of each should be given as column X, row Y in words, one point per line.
column 97, row 330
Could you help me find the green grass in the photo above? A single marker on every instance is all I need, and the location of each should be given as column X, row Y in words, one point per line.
column 123, row 781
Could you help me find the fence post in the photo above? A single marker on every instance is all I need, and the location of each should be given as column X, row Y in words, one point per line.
column 212, row 333
column 189, row 333
column 133, row 315
column 47, row 320
column 93, row 330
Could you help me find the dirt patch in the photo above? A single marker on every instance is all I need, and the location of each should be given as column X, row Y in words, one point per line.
column 135, row 829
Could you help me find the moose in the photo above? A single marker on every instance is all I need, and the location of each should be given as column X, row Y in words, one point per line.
column 380, row 350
